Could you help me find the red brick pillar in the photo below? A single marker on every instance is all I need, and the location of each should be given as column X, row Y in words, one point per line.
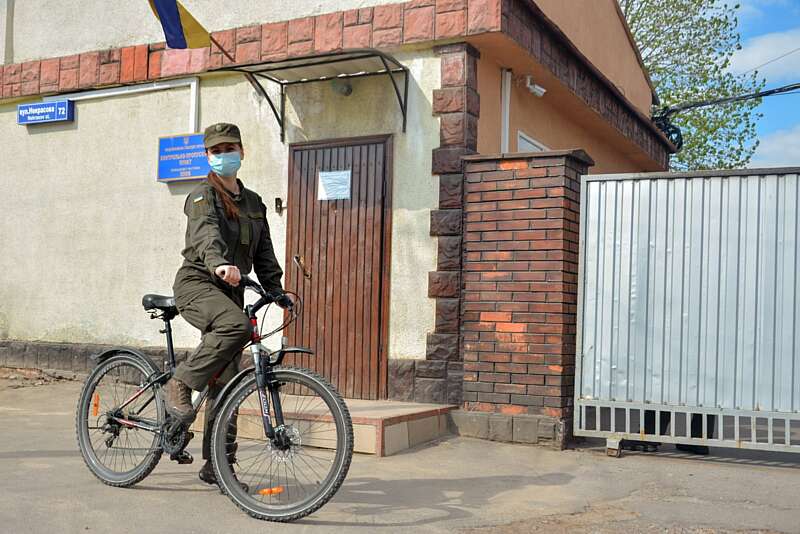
column 520, row 270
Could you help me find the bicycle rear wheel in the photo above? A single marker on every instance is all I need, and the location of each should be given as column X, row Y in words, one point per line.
column 290, row 482
column 120, row 454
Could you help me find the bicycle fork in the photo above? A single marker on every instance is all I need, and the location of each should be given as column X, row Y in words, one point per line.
column 265, row 382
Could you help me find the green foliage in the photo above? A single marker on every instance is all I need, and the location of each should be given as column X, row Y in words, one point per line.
column 686, row 46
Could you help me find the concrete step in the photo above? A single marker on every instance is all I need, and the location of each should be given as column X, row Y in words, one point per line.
column 382, row 427
column 388, row 427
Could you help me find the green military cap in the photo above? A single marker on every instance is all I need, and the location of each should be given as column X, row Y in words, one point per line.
column 222, row 132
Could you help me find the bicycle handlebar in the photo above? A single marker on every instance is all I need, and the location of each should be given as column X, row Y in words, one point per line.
column 268, row 296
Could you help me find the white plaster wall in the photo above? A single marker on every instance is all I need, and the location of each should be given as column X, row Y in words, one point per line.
column 48, row 28
column 4, row 10
column 86, row 230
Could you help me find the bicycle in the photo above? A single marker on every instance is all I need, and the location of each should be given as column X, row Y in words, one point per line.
column 287, row 430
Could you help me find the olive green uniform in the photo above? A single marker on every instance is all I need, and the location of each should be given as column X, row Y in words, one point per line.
column 205, row 300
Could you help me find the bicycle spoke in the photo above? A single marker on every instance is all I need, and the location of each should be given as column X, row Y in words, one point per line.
column 130, row 447
column 291, row 471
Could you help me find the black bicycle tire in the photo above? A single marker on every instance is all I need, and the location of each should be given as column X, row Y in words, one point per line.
column 226, row 481
column 81, row 421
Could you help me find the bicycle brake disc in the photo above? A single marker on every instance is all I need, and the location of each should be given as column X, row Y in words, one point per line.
column 292, row 434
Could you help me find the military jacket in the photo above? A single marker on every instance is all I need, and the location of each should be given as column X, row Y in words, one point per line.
column 213, row 240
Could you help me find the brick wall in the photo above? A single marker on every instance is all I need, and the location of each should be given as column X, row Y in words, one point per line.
column 519, row 291
column 385, row 27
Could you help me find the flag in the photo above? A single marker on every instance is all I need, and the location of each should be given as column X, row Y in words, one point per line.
column 181, row 29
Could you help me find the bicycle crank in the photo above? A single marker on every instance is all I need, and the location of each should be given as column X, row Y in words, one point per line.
column 174, row 439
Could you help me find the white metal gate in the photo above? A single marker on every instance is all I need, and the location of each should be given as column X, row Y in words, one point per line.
column 688, row 316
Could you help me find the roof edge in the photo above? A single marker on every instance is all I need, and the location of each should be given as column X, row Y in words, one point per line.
column 539, row 13
column 636, row 50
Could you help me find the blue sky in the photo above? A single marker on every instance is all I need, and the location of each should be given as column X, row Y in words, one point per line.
column 770, row 28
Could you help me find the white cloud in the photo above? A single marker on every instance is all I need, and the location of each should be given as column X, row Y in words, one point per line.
column 780, row 148
column 751, row 9
column 763, row 48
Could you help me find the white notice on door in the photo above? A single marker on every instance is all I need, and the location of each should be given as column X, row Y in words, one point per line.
column 334, row 185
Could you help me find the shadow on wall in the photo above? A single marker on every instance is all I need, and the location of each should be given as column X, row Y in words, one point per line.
column 52, row 127
column 181, row 189
column 316, row 111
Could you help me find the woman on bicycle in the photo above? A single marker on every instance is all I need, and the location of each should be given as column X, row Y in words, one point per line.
column 227, row 235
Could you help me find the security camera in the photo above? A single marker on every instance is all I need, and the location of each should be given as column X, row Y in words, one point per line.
column 537, row 90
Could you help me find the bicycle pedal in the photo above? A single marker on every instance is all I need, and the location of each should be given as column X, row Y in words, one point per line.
column 182, row 457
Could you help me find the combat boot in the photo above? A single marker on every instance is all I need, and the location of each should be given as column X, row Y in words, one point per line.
column 178, row 400
column 208, row 476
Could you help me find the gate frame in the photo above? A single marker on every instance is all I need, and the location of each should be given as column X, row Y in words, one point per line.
column 612, row 435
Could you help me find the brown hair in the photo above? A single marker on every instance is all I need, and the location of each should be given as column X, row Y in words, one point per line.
column 231, row 209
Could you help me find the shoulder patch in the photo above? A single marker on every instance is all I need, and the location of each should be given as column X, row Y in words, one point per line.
column 200, row 206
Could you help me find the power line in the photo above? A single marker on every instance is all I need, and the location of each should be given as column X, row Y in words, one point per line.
column 790, row 52
column 673, row 133
column 727, row 100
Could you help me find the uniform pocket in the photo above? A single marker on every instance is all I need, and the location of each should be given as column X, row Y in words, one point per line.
column 259, row 223
column 189, row 284
column 245, row 232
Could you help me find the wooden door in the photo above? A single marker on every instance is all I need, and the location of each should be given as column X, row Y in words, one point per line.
column 345, row 244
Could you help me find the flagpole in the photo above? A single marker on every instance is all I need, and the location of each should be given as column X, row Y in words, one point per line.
column 227, row 55
column 248, row 75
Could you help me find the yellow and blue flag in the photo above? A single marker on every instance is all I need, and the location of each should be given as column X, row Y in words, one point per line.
column 181, row 29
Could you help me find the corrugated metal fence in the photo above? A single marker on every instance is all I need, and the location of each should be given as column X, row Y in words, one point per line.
column 688, row 309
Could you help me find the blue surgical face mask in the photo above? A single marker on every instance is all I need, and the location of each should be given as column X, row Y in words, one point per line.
column 225, row 164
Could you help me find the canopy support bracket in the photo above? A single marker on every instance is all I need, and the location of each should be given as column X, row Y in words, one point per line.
column 324, row 67
column 402, row 100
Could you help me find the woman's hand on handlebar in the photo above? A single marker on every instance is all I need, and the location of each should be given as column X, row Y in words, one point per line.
column 229, row 273
column 276, row 295
column 283, row 300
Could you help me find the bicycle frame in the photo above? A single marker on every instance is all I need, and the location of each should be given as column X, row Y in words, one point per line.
column 263, row 363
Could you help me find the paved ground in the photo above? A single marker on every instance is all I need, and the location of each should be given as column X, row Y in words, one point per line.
column 455, row 485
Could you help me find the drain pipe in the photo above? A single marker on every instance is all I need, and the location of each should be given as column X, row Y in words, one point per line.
column 192, row 83
column 505, row 111
column 8, row 33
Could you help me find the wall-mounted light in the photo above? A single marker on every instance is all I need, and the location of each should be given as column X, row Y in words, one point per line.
column 278, row 205
column 537, row 90
column 342, row 86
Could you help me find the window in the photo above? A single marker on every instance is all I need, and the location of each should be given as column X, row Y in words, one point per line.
column 526, row 143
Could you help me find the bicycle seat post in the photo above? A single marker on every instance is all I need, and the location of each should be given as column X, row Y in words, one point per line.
column 170, row 363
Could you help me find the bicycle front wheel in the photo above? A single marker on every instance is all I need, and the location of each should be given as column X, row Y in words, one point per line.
column 287, row 482
column 118, row 453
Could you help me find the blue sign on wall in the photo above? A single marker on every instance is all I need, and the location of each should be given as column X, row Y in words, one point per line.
column 54, row 111
column 182, row 157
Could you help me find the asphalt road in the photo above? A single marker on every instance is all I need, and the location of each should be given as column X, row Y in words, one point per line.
column 457, row 484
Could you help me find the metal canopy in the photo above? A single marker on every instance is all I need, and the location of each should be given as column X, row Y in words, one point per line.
column 324, row 67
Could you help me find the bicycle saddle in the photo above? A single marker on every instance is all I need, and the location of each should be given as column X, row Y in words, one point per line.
column 160, row 302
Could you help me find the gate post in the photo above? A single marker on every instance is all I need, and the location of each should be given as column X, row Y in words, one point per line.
column 519, row 291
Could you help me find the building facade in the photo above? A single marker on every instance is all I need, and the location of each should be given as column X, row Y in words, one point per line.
column 87, row 229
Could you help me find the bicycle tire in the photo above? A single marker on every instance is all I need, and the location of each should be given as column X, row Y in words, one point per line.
column 107, row 476
column 231, row 486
